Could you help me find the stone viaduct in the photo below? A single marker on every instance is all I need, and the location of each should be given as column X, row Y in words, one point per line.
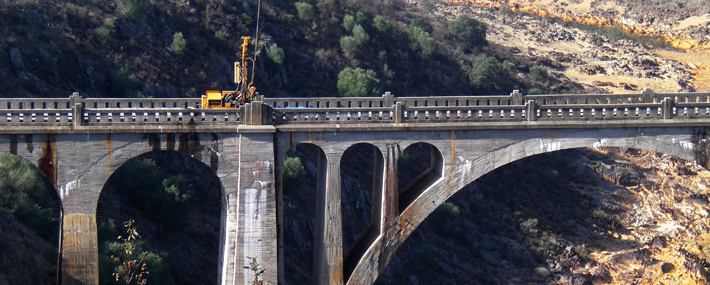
column 79, row 142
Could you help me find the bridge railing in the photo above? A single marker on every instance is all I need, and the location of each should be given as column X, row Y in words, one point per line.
column 142, row 103
column 35, row 104
column 332, row 115
column 464, row 114
column 38, row 117
column 600, row 112
column 98, row 117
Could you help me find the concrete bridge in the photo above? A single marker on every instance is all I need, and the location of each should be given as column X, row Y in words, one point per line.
column 78, row 143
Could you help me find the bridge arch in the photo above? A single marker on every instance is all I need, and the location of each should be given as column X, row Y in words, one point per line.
column 462, row 167
column 175, row 200
column 324, row 196
column 359, row 158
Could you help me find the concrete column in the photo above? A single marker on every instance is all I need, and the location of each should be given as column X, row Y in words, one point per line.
column 328, row 264
column 83, row 164
column 390, row 196
column 250, row 222
column 667, row 107
column 398, row 113
column 531, row 111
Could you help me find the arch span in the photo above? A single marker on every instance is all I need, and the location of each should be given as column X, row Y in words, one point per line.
column 464, row 164
column 175, row 201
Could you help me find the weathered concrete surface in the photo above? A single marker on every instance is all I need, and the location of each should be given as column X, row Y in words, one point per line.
column 79, row 165
column 466, row 156
column 245, row 160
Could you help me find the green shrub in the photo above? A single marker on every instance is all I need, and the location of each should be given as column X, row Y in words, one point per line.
column 305, row 10
column 288, row 18
column 113, row 253
column 349, row 46
column 537, row 73
column 275, row 53
column 135, row 9
column 123, row 84
column 179, row 43
column 293, row 174
column 421, row 23
column 381, row 23
column 359, row 17
column 446, row 217
column 487, row 75
column 529, row 226
column 348, row 22
column 106, row 29
column 221, row 35
column 357, row 82
column 163, row 198
column 25, row 192
column 534, row 91
column 471, row 31
column 509, row 66
column 360, row 35
column 423, row 41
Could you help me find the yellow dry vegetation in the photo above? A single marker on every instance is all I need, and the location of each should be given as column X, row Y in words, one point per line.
column 699, row 58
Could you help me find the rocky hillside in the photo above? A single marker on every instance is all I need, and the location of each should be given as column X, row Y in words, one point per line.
column 681, row 24
column 175, row 48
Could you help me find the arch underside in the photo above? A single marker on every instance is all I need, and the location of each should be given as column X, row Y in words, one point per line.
column 463, row 164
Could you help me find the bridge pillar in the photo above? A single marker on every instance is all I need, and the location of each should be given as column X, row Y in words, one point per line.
column 531, row 111
column 667, row 107
column 81, row 169
column 328, row 264
column 250, row 202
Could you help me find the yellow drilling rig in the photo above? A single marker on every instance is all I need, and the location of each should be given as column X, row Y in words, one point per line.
column 243, row 94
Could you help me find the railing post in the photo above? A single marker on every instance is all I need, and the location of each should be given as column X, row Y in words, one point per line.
column 531, row 111
column 667, row 106
column 647, row 95
column 256, row 113
column 398, row 113
column 387, row 99
column 77, row 109
column 516, row 97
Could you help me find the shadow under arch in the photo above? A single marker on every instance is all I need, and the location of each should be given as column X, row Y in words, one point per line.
column 361, row 160
column 28, row 196
column 377, row 257
column 177, row 202
column 302, row 225
column 423, row 160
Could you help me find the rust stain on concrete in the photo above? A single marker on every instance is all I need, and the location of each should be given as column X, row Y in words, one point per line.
column 79, row 258
column 13, row 144
column 48, row 162
column 336, row 275
column 700, row 146
column 28, row 143
column 109, row 149
column 170, row 141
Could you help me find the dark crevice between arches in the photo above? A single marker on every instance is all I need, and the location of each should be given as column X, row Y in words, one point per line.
column 300, row 193
column 176, row 202
column 421, row 158
column 364, row 164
